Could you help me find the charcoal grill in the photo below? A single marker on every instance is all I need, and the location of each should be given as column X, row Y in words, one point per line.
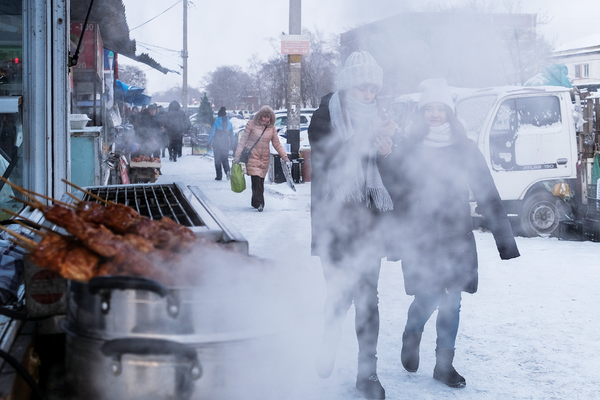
column 187, row 205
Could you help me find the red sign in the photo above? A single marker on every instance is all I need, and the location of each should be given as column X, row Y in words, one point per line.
column 47, row 287
column 91, row 52
column 295, row 44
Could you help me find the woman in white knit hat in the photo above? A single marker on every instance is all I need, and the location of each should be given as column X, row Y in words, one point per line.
column 431, row 172
column 348, row 198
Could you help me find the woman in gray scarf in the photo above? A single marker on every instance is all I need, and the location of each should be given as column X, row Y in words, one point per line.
column 347, row 134
column 431, row 172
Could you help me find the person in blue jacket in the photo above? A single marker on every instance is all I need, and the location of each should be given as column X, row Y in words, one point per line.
column 220, row 139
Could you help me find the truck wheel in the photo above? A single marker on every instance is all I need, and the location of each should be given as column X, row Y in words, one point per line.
column 539, row 216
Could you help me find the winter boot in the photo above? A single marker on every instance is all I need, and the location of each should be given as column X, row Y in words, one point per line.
column 370, row 387
column 410, row 351
column 367, row 380
column 444, row 371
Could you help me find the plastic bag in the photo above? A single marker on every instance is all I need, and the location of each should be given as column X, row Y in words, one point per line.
column 561, row 189
column 237, row 179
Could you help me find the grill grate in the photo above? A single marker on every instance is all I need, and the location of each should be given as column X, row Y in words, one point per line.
column 153, row 201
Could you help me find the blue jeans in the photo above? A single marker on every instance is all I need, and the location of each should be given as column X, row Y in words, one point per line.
column 448, row 304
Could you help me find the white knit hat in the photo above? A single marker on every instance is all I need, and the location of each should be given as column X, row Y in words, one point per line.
column 435, row 91
column 360, row 69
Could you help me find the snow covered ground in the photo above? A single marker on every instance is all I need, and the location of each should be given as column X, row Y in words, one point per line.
column 531, row 331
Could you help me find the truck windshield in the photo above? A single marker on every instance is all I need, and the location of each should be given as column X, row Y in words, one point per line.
column 472, row 113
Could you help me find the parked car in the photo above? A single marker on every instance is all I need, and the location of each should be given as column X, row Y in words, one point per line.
column 281, row 125
column 281, row 118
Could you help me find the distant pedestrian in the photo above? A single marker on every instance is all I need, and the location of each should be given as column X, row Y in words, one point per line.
column 220, row 139
column 432, row 171
column 260, row 131
column 148, row 132
column 176, row 124
column 348, row 201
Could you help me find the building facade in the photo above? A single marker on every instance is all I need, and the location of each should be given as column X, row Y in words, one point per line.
column 582, row 58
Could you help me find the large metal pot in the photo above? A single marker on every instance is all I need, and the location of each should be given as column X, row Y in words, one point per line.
column 123, row 369
column 237, row 327
column 131, row 368
column 117, row 307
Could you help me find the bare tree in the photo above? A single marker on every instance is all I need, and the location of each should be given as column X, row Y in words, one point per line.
column 132, row 76
column 318, row 69
column 274, row 81
column 227, row 86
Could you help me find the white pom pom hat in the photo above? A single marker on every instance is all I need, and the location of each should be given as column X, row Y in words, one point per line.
column 435, row 91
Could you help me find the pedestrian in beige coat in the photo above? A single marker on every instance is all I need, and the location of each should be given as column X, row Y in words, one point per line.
column 260, row 130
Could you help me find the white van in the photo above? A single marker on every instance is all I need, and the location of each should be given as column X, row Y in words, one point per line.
column 529, row 139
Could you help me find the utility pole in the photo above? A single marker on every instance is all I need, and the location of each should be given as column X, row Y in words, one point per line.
column 293, row 89
column 184, row 55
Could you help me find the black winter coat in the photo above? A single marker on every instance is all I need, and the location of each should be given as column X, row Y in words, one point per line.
column 432, row 227
column 176, row 124
column 339, row 229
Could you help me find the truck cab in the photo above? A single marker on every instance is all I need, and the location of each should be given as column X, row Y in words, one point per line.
column 529, row 139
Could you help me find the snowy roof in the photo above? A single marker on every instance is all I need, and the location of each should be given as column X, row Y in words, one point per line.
column 581, row 45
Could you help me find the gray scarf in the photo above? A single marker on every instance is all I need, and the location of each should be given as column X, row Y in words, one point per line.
column 346, row 179
column 439, row 136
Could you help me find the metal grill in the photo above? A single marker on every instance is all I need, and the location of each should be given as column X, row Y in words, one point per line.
column 186, row 205
column 153, row 201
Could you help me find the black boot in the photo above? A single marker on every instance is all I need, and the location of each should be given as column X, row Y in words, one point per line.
column 410, row 351
column 367, row 381
column 370, row 387
column 444, row 371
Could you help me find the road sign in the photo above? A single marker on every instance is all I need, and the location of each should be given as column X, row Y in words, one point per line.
column 295, row 44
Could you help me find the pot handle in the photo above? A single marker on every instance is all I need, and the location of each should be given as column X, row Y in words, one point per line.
column 126, row 282
column 143, row 346
column 101, row 284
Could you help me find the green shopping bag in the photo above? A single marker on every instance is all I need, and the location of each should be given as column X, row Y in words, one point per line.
column 237, row 179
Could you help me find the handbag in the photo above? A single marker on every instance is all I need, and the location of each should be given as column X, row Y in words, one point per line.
column 245, row 154
column 237, row 179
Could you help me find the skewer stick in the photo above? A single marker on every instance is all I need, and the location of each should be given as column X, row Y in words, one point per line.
column 37, row 206
column 77, row 199
column 30, row 243
column 19, row 189
column 87, row 192
column 62, row 203
column 31, row 194
column 21, row 244
column 21, row 218
column 31, row 228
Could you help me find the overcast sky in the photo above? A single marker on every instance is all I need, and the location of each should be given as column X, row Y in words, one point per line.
column 230, row 32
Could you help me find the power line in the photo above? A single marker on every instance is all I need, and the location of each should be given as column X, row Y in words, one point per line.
column 179, row 1
column 148, row 45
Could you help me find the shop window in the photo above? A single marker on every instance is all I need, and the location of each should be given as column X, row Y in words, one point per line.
column 11, row 90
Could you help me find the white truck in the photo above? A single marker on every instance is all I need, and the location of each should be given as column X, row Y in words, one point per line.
column 539, row 143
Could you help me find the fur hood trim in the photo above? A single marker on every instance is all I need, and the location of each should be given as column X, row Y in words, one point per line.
column 260, row 113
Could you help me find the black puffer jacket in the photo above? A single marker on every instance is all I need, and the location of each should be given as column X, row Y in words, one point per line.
column 339, row 228
column 432, row 227
column 175, row 122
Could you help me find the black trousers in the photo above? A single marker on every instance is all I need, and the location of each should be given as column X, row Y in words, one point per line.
column 174, row 148
column 221, row 160
column 258, row 191
column 354, row 280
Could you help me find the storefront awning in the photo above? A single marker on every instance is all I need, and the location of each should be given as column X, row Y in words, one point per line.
column 110, row 15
